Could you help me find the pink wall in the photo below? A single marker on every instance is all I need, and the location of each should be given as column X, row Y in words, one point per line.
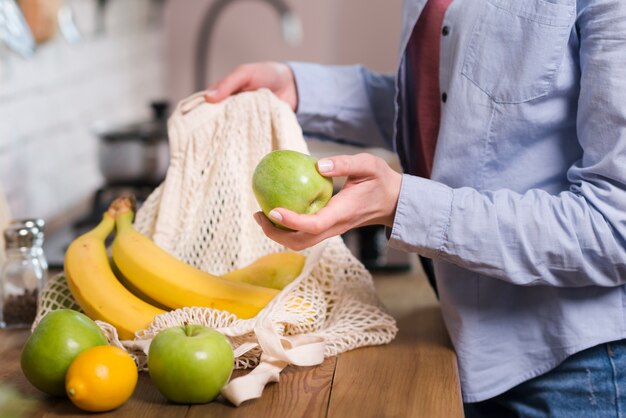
column 335, row 31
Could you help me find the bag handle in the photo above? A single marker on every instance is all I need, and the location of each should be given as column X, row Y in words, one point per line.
column 278, row 352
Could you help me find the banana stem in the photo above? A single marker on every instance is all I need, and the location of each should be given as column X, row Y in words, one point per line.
column 121, row 205
column 124, row 221
column 104, row 228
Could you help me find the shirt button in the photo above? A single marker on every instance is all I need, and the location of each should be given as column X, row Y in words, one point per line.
column 444, row 97
column 445, row 31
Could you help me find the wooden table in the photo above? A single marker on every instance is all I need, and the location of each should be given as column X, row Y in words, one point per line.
column 414, row 376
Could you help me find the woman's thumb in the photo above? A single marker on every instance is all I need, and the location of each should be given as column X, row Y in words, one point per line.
column 347, row 165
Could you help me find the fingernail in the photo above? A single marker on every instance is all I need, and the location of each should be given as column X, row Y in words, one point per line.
column 275, row 215
column 209, row 94
column 325, row 166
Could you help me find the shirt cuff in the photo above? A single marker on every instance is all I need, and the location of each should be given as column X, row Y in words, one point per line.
column 310, row 81
column 422, row 216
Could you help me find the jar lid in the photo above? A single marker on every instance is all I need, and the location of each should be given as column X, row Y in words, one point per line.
column 36, row 224
column 17, row 236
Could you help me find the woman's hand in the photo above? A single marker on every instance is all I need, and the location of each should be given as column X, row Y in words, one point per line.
column 369, row 197
column 274, row 76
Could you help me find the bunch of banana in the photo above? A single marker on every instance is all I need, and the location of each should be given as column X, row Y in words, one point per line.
column 175, row 284
column 141, row 280
column 96, row 288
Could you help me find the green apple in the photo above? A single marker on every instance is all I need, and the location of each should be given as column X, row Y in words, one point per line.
column 289, row 179
column 60, row 336
column 190, row 364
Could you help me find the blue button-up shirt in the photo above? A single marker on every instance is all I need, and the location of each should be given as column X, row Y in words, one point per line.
column 525, row 214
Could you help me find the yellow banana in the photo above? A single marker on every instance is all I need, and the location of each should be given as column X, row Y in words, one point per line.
column 175, row 284
column 97, row 290
column 273, row 270
column 132, row 289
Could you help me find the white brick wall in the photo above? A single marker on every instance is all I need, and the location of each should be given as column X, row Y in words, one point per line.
column 50, row 104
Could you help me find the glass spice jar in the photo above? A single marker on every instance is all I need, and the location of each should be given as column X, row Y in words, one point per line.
column 37, row 225
column 21, row 279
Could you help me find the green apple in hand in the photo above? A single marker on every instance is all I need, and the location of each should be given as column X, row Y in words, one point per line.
column 190, row 364
column 60, row 336
column 289, row 179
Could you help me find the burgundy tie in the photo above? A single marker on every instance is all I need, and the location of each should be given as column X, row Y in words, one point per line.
column 423, row 53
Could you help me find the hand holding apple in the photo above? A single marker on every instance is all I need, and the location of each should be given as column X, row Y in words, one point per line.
column 289, row 179
column 190, row 364
column 368, row 197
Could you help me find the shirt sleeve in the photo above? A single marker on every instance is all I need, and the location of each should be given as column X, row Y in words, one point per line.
column 573, row 239
column 347, row 104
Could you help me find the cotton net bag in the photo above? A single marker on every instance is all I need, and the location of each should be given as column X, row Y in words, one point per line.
column 202, row 214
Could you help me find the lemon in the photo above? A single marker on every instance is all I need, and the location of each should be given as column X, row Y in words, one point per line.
column 101, row 379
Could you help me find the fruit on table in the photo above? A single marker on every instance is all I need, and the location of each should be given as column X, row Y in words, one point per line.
column 273, row 270
column 101, row 379
column 190, row 364
column 60, row 336
column 289, row 179
column 95, row 287
column 175, row 284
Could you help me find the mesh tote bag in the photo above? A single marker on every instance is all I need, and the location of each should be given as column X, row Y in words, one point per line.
column 202, row 214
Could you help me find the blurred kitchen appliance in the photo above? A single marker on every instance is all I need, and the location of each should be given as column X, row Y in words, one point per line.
column 133, row 159
column 137, row 153
column 291, row 29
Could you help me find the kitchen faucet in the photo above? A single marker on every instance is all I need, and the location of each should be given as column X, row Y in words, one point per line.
column 291, row 29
